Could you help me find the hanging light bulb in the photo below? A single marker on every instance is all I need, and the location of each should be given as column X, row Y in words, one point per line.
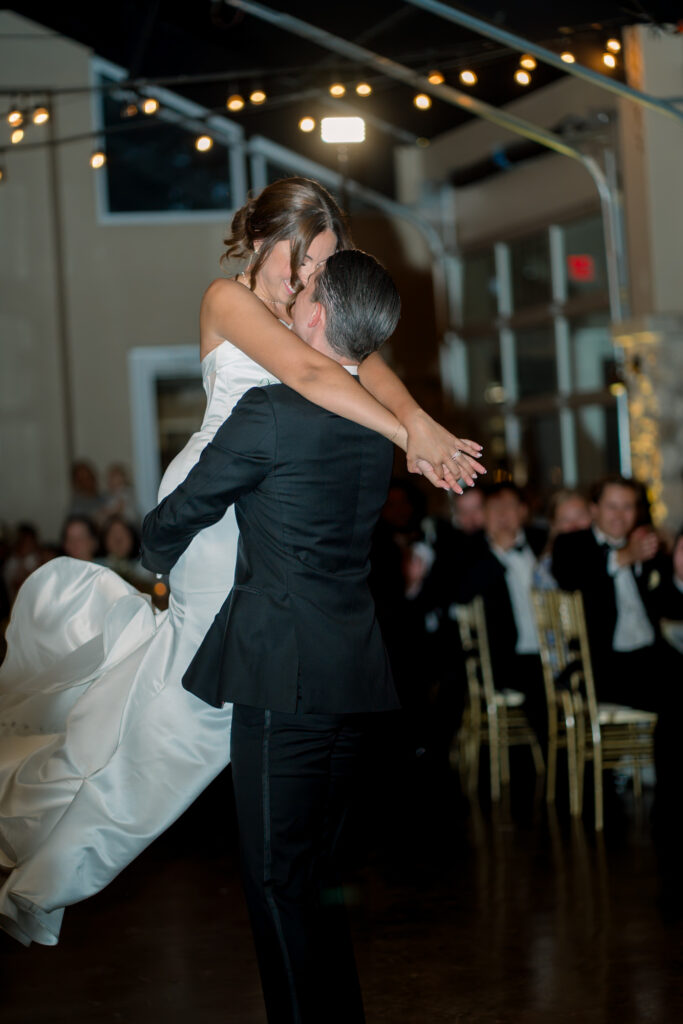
column 235, row 102
column 522, row 77
column 364, row 89
column 337, row 89
column 527, row 61
column 568, row 57
column 15, row 118
column 2, row 174
column 203, row 143
column 40, row 115
column 614, row 45
column 422, row 101
column 130, row 110
column 16, row 136
column 307, row 124
column 468, row 78
column 98, row 159
column 257, row 97
column 436, row 78
column 609, row 60
column 150, row 106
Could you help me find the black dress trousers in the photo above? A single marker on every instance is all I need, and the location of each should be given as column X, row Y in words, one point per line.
column 293, row 775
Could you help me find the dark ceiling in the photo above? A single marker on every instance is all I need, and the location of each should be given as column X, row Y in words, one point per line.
column 162, row 38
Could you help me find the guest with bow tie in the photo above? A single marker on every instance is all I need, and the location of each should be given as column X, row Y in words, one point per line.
column 629, row 584
column 500, row 568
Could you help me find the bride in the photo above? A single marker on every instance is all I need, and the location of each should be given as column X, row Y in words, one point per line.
column 101, row 748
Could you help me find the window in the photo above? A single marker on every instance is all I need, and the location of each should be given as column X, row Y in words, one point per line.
column 531, row 279
column 480, row 288
column 537, row 346
column 584, row 253
column 153, row 166
column 592, row 353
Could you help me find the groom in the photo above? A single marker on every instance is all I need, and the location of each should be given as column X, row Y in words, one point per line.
column 296, row 646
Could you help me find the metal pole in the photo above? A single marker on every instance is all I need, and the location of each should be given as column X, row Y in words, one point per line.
column 516, row 42
column 61, row 319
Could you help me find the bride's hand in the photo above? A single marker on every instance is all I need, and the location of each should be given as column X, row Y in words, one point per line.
column 438, row 455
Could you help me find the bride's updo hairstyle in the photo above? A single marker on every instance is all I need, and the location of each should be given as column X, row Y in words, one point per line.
column 292, row 209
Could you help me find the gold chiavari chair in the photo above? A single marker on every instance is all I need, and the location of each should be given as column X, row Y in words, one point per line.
column 493, row 717
column 608, row 734
column 559, row 698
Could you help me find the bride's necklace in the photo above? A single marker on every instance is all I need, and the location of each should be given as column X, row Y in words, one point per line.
column 270, row 304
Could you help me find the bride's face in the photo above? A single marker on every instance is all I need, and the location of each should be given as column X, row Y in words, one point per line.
column 272, row 282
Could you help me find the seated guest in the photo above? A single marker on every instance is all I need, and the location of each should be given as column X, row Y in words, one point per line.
column 568, row 511
column 80, row 538
column 468, row 511
column 122, row 553
column 672, row 629
column 85, row 496
column 500, row 568
column 119, row 497
column 628, row 586
column 25, row 555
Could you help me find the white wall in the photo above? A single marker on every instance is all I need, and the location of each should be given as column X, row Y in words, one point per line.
column 125, row 285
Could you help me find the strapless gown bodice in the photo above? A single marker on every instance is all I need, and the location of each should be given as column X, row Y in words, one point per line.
column 227, row 373
column 101, row 748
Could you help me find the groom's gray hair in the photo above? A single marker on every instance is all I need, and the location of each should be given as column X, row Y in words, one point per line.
column 361, row 303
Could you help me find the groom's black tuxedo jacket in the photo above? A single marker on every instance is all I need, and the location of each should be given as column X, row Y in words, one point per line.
column 308, row 488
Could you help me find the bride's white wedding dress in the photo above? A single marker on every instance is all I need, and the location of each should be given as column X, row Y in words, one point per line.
column 101, row 748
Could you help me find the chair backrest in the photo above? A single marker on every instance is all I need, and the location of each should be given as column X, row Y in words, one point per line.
column 471, row 619
column 552, row 648
column 570, row 621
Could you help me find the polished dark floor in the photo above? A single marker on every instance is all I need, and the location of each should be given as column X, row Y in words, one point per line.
column 461, row 914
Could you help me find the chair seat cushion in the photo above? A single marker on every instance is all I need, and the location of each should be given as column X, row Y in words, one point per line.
column 510, row 698
column 620, row 714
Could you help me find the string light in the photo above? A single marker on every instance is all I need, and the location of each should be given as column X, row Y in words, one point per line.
column 235, row 102
column 15, row 118
column 130, row 110
column 527, row 61
column 41, row 115
column 364, row 89
column 307, row 124
column 568, row 57
column 150, row 106
column 422, row 101
column 337, row 89
column 16, row 136
column 468, row 78
column 257, row 97
column 614, row 45
column 203, row 143
column 436, row 78
column 609, row 60
column 522, row 77
column 2, row 174
column 98, row 159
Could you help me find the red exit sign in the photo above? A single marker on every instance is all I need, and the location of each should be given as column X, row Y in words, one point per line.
column 581, row 267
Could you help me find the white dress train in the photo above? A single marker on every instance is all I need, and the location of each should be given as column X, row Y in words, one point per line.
column 101, row 748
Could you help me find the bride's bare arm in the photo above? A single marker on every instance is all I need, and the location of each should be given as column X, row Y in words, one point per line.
column 425, row 435
column 229, row 310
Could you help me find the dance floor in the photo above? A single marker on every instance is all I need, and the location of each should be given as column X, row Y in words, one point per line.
column 460, row 915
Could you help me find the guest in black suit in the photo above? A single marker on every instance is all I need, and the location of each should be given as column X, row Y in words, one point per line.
column 500, row 567
column 296, row 646
column 628, row 586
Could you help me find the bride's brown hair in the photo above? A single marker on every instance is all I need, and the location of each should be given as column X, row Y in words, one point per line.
column 292, row 209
